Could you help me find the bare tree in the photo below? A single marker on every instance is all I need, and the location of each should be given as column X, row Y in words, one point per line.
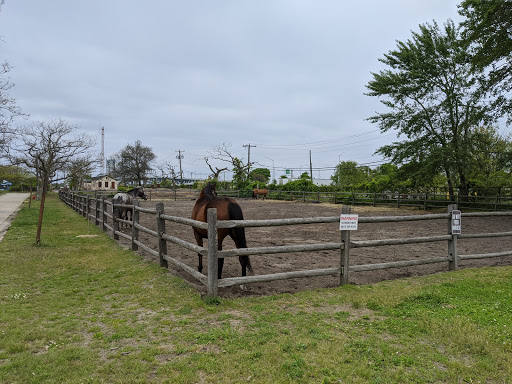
column 223, row 153
column 215, row 172
column 79, row 169
column 168, row 172
column 50, row 148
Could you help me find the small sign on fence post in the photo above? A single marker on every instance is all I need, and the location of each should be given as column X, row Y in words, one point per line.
column 348, row 222
column 454, row 228
column 456, row 222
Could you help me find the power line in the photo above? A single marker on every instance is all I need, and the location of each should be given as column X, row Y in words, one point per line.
column 291, row 146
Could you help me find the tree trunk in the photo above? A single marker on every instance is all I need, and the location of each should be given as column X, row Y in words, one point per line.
column 450, row 185
column 464, row 192
column 41, row 210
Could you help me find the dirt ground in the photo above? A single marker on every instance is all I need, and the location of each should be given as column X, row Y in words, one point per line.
column 321, row 233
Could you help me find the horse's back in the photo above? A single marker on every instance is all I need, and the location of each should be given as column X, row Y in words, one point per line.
column 222, row 204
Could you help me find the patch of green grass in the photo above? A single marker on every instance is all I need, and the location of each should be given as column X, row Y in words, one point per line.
column 85, row 310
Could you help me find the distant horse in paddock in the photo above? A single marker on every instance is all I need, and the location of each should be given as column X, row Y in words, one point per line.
column 227, row 209
column 127, row 198
column 257, row 192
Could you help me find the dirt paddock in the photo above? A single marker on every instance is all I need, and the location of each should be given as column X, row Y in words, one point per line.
column 322, row 233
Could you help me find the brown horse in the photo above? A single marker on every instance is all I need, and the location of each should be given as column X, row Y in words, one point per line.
column 257, row 192
column 227, row 209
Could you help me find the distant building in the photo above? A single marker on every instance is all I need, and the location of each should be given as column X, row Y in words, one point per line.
column 5, row 185
column 100, row 183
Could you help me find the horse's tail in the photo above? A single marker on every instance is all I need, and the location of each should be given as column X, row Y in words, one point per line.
column 235, row 213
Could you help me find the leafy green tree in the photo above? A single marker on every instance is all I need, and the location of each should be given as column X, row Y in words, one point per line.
column 492, row 160
column 434, row 102
column 348, row 175
column 302, row 184
column 260, row 174
column 240, row 180
column 488, row 30
column 19, row 177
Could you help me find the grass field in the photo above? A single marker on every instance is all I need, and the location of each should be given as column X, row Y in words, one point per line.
column 82, row 310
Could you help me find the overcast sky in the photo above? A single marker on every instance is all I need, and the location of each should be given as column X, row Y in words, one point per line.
column 287, row 76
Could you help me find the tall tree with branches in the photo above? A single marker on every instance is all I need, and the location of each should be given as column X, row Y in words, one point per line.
column 435, row 102
column 488, row 29
column 134, row 162
column 224, row 154
column 49, row 148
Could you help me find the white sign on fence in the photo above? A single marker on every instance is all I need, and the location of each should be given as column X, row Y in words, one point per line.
column 456, row 222
column 348, row 222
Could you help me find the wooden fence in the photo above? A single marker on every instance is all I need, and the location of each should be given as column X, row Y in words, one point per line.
column 395, row 199
column 91, row 208
column 392, row 199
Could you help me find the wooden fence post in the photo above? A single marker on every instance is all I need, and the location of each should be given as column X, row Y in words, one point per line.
column 115, row 223
column 88, row 209
column 135, row 220
column 344, row 258
column 97, row 212
column 103, row 216
column 453, row 263
column 213, row 263
column 162, row 243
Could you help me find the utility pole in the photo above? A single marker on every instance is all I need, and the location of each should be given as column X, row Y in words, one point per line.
column 310, row 166
column 179, row 157
column 248, row 146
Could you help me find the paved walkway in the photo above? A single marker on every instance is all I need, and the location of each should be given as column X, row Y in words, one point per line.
column 10, row 203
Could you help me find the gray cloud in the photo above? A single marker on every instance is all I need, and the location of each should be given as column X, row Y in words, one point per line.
column 190, row 75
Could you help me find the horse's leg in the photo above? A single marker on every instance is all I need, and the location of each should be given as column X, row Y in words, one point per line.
column 199, row 241
column 220, row 259
column 122, row 217
column 244, row 260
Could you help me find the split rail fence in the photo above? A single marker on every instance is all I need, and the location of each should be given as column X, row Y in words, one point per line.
column 104, row 214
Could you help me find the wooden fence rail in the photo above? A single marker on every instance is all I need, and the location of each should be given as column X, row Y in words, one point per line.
column 91, row 208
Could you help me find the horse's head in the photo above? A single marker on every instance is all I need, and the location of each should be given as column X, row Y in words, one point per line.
column 209, row 190
column 141, row 194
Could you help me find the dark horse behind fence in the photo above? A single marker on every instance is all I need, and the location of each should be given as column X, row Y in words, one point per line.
column 256, row 192
column 127, row 198
column 227, row 209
